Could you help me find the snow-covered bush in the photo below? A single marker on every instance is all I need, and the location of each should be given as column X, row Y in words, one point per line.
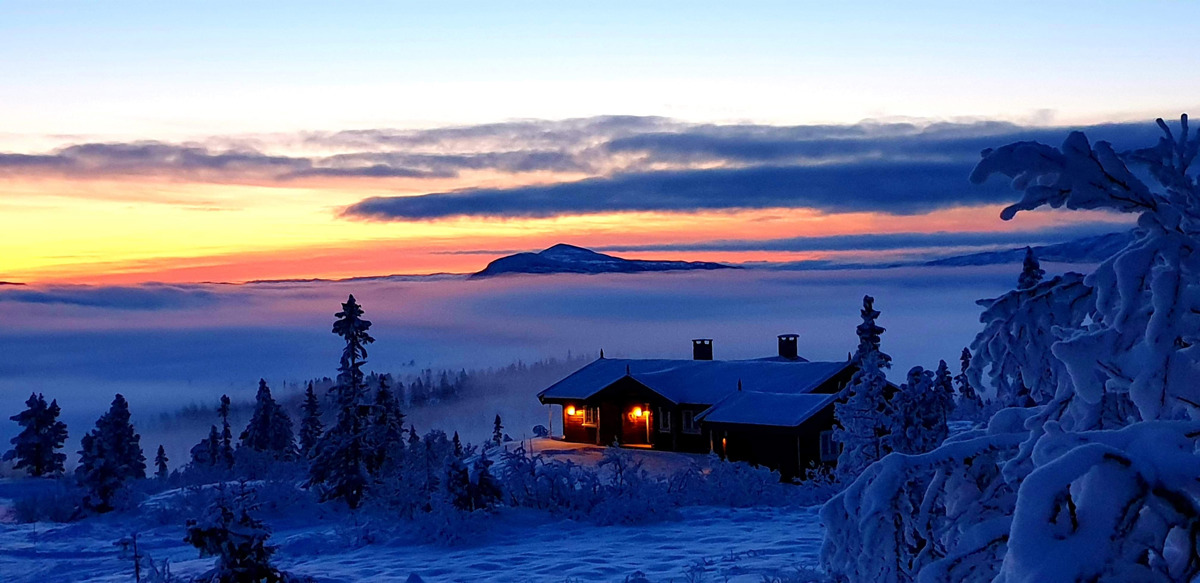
column 629, row 495
column 50, row 501
column 1102, row 483
column 230, row 532
column 732, row 484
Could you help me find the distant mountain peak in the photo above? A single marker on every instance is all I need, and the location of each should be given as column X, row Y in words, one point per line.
column 565, row 258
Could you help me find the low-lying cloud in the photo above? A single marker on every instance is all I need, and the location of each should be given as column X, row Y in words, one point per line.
column 886, row 241
column 134, row 298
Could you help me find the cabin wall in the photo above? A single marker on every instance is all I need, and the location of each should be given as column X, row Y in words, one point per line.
column 677, row 439
column 788, row 450
column 575, row 427
column 809, row 434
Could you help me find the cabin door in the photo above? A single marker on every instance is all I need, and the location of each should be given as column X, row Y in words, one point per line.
column 635, row 424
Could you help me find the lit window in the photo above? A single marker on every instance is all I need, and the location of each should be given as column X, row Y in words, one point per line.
column 664, row 420
column 689, row 422
column 829, row 447
column 591, row 414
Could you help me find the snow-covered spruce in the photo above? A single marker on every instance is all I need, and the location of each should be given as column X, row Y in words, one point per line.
column 340, row 464
column 231, row 533
column 866, row 415
column 110, row 456
column 968, row 404
column 311, row 427
column 270, row 428
column 1014, row 348
column 36, row 447
column 1103, row 485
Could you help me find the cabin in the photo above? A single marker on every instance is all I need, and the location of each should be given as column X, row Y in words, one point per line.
column 775, row 411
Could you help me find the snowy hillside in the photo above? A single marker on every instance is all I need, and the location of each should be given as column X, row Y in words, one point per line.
column 1086, row 250
column 563, row 258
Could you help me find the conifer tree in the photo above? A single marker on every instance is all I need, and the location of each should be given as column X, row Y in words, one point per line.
column 111, row 455
column 160, row 464
column 270, row 427
column 1031, row 271
column 497, row 431
column 231, row 533
column 457, row 443
column 35, row 448
column 968, row 403
column 921, row 408
column 340, row 466
column 486, row 492
column 865, row 413
column 457, row 481
column 943, row 392
column 225, row 452
column 208, row 451
column 386, row 439
column 311, row 427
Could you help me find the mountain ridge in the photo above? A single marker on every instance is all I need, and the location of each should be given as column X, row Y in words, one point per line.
column 565, row 258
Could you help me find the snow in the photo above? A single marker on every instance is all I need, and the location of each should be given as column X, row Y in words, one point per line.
column 774, row 409
column 743, row 544
column 696, row 381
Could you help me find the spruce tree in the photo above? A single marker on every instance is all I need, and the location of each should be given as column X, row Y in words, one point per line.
column 865, row 413
column 386, row 432
column 225, row 452
column 311, row 427
column 208, row 451
column 497, row 431
column 1031, row 271
column 340, row 466
column 969, row 405
column 270, row 428
column 456, row 481
column 485, row 492
column 160, row 463
column 35, row 448
column 943, row 391
column 111, row 455
column 921, row 405
column 231, row 533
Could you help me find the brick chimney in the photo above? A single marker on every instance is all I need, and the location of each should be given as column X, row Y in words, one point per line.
column 787, row 346
column 702, row 349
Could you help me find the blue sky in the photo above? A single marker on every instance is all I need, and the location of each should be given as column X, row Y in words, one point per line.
column 167, row 69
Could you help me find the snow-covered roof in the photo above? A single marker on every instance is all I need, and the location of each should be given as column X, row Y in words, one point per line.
column 696, row 381
column 774, row 409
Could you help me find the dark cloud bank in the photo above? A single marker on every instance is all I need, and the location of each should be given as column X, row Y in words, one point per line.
column 635, row 164
column 892, row 168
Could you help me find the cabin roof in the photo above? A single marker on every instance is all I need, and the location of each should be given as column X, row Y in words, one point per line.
column 701, row 382
column 773, row 409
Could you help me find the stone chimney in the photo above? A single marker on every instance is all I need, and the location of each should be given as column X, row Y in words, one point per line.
column 787, row 346
column 702, row 349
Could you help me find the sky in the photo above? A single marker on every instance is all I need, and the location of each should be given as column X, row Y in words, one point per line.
column 219, row 141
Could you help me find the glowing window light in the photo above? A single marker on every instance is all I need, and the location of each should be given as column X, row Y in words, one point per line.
column 637, row 412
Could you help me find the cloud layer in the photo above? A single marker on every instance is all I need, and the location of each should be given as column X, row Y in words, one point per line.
column 891, row 168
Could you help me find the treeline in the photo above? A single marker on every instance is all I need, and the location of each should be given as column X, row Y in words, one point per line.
column 427, row 387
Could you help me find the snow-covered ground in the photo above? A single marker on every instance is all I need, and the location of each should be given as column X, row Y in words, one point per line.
column 706, row 544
